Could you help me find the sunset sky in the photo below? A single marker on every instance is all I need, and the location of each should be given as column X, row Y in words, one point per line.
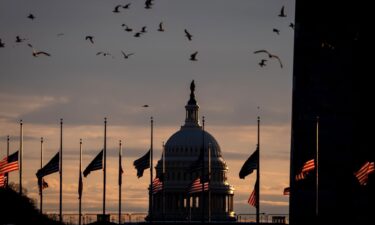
column 82, row 88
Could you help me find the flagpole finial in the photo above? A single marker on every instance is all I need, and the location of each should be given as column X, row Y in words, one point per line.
column 105, row 119
column 61, row 120
column 152, row 119
column 80, row 140
column 41, row 139
column 21, row 121
column 120, row 142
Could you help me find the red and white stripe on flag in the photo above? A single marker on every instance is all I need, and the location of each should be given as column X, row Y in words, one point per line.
column 253, row 198
column 364, row 171
column 2, row 180
column 308, row 166
column 157, row 185
column 197, row 186
column 6, row 167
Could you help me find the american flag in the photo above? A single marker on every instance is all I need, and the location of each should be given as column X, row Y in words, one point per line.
column 307, row 167
column 196, row 186
column 2, row 180
column 95, row 164
column 362, row 174
column 253, row 198
column 157, row 185
column 142, row 163
column 9, row 164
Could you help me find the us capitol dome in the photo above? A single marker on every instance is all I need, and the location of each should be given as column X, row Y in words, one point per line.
column 183, row 164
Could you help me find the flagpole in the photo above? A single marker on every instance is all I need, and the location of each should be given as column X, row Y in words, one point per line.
column 105, row 163
column 202, row 176
column 41, row 183
column 80, row 183
column 257, row 183
column 7, row 174
column 163, row 181
column 209, row 182
column 120, row 180
column 151, row 172
column 61, row 166
column 317, row 167
column 20, row 154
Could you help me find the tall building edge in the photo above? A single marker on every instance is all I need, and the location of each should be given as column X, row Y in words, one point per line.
column 331, row 80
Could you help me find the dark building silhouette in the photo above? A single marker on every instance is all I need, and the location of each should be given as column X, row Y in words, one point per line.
column 330, row 80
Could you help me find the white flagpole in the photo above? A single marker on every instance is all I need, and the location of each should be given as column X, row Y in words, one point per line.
column 41, row 183
column 20, row 156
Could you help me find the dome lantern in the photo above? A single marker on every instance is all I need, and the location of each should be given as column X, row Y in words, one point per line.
column 192, row 108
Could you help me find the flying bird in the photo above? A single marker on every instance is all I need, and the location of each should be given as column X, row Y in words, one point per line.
column 138, row 34
column 126, row 6
column 270, row 56
column 128, row 29
column 145, row 106
column 143, row 29
column 188, row 35
column 262, row 62
column 161, row 28
column 19, row 40
column 148, row 4
column 104, row 54
column 277, row 31
column 126, row 56
column 37, row 53
column 282, row 14
column 31, row 16
column 193, row 57
column 90, row 38
column 2, row 44
column 291, row 25
column 115, row 10
column 60, row 34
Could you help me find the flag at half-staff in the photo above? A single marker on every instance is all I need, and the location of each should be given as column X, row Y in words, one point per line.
column 307, row 167
column 196, row 186
column 142, row 163
column 9, row 163
column 253, row 197
column 96, row 164
column 363, row 172
column 250, row 165
column 157, row 185
column 51, row 167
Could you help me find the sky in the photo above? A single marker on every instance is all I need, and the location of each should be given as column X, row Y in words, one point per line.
column 82, row 88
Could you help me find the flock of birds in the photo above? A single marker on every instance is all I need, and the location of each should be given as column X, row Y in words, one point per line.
column 148, row 5
column 263, row 61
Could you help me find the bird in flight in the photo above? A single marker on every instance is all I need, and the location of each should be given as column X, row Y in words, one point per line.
column 31, row 16
column 193, row 57
column 282, row 14
column 60, row 34
column 148, row 4
column 37, row 53
column 126, row 6
column 291, row 25
column 104, row 54
column 188, row 35
column 143, row 30
column 138, row 34
column 2, row 44
column 145, row 106
column 19, row 40
column 90, row 38
column 128, row 29
column 161, row 28
column 126, row 56
column 262, row 62
column 270, row 56
column 277, row 31
column 115, row 10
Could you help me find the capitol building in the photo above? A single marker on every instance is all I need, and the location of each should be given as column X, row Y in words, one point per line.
column 182, row 152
